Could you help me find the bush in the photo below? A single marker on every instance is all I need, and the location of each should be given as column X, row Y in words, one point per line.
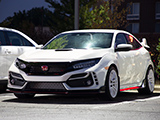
column 158, row 58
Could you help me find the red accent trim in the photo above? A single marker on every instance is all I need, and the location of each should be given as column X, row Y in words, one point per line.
column 131, row 88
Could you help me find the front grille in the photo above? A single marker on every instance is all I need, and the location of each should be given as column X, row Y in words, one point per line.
column 45, row 86
column 54, row 69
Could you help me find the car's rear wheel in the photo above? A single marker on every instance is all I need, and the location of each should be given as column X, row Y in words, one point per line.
column 112, row 84
column 24, row 95
column 149, row 82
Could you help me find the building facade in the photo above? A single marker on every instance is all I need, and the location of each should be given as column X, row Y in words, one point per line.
column 144, row 22
column 144, row 16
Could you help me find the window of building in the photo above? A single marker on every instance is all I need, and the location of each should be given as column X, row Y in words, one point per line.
column 158, row 10
column 134, row 11
column 133, row 28
column 157, row 27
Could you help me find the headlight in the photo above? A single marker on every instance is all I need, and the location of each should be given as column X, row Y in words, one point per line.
column 20, row 64
column 86, row 63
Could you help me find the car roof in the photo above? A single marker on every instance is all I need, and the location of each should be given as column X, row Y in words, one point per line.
column 95, row 30
column 8, row 29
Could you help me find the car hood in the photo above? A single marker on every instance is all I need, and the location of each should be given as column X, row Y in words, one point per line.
column 63, row 56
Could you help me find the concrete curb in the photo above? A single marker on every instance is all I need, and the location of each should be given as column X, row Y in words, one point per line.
column 157, row 87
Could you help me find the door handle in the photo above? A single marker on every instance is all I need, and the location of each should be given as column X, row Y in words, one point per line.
column 7, row 51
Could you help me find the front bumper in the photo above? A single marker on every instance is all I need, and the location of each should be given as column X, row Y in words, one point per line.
column 79, row 83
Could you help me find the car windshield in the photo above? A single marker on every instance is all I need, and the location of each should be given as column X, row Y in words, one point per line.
column 80, row 41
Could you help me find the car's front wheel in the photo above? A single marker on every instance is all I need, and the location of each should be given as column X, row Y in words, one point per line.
column 23, row 95
column 149, row 82
column 112, row 84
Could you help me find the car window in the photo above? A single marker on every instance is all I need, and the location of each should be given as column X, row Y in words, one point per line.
column 2, row 39
column 26, row 42
column 120, row 39
column 81, row 41
column 133, row 41
column 17, row 40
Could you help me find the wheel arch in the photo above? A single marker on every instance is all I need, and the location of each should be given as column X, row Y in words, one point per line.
column 108, row 94
column 116, row 68
column 150, row 65
column 113, row 65
column 146, row 87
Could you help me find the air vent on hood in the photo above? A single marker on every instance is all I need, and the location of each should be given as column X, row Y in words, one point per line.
column 65, row 49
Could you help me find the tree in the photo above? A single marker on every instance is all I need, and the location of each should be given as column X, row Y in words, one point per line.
column 27, row 21
column 109, row 14
column 37, row 16
column 63, row 15
column 58, row 43
column 93, row 14
column 158, row 58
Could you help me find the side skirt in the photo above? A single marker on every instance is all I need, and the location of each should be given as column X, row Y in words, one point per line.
column 130, row 88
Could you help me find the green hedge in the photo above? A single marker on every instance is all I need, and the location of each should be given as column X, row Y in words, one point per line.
column 158, row 58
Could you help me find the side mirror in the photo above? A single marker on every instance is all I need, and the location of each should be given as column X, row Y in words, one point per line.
column 144, row 43
column 39, row 46
column 124, row 47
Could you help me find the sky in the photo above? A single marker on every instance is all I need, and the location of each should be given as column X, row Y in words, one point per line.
column 8, row 7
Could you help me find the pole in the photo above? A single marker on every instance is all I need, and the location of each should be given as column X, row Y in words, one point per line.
column 76, row 14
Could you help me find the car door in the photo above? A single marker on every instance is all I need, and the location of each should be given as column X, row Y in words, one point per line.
column 139, row 62
column 3, row 59
column 17, row 45
column 126, row 61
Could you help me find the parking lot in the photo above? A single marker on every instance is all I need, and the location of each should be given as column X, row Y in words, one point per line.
column 128, row 105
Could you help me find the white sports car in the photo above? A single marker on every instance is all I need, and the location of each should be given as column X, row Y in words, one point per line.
column 84, row 61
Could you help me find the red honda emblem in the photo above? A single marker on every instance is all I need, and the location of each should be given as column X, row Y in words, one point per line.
column 44, row 68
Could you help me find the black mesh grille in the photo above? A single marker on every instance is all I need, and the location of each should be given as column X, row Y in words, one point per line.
column 45, row 86
column 54, row 69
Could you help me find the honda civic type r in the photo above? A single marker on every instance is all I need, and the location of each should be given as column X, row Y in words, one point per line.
column 84, row 61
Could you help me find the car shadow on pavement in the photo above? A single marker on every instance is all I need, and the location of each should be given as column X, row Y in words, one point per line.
column 81, row 99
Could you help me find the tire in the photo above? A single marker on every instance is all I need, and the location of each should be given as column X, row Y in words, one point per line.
column 23, row 95
column 3, row 86
column 149, row 82
column 112, row 84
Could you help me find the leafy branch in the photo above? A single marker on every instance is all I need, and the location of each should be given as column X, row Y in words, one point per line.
column 158, row 58
column 58, row 43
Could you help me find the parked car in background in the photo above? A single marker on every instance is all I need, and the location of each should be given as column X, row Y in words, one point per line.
column 84, row 61
column 12, row 44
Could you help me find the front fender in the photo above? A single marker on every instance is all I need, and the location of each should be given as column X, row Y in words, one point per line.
column 105, row 63
column 108, row 60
